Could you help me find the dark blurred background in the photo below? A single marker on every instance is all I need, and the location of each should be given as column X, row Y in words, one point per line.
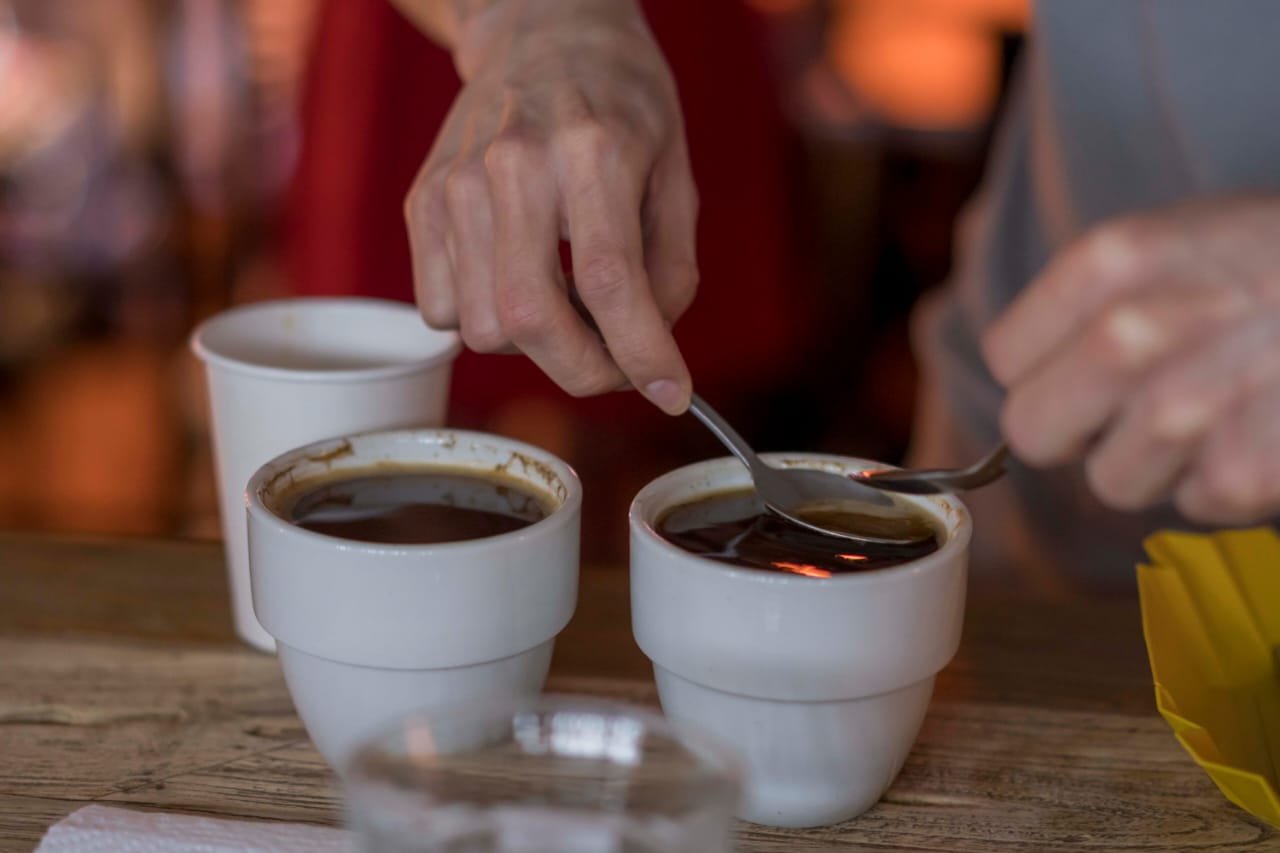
column 163, row 159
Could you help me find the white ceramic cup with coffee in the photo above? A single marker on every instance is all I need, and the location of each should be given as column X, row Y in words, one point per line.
column 370, row 631
column 285, row 373
column 821, row 684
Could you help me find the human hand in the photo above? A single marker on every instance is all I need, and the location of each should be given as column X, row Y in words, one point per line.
column 567, row 127
column 1151, row 347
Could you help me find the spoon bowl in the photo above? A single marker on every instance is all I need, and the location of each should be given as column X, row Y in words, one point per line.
column 816, row 499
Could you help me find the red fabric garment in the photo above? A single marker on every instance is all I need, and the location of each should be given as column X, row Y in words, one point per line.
column 377, row 92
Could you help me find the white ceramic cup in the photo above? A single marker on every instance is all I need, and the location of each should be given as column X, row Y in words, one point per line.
column 367, row 632
column 821, row 684
column 285, row 373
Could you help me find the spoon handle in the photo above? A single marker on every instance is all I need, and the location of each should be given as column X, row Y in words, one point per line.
column 728, row 435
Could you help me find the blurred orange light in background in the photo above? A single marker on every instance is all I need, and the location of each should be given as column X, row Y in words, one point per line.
column 925, row 64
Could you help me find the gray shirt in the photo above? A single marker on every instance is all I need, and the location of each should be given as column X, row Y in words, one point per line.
column 1120, row 106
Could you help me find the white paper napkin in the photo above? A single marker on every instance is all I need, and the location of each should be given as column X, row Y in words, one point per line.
column 99, row 829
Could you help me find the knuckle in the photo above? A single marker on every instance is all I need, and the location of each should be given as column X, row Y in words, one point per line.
column 650, row 117
column 508, row 155
column 591, row 382
column 414, row 205
column 1140, row 420
column 463, row 186
column 674, row 306
column 521, row 318
column 686, row 277
column 482, row 335
column 418, row 202
column 1174, row 415
column 682, row 286
column 1100, row 345
column 589, row 140
column 603, row 277
column 437, row 314
column 1122, row 338
column 1116, row 249
column 636, row 354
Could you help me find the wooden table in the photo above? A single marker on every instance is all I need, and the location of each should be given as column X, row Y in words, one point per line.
column 121, row 683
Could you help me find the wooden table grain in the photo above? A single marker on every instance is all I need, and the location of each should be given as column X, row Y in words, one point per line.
column 121, row 683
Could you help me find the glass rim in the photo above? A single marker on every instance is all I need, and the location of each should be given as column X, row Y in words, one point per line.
column 714, row 763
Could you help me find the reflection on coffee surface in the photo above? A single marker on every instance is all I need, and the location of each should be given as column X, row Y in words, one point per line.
column 735, row 528
column 414, row 505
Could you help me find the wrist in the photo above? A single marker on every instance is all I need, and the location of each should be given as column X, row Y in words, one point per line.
column 486, row 28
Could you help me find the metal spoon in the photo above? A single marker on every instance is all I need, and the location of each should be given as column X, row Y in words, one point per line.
column 939, row 481
column 787, row 490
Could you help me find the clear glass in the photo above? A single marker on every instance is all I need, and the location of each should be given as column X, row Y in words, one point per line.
column 552, row 774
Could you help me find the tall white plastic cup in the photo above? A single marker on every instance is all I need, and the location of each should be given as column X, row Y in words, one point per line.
column 291, row 372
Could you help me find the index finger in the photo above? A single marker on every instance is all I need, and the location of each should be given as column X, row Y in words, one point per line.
column 602, row 201
column 1064, row 296
column 532, row 306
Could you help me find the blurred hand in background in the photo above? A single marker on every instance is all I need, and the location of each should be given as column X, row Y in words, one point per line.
column 1151, row 348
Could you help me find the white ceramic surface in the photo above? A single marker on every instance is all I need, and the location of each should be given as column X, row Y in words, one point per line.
column 368, row 632
column 821, row 684
column 286, row 373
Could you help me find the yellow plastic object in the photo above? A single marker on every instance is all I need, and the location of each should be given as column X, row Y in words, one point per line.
column 1211, row 617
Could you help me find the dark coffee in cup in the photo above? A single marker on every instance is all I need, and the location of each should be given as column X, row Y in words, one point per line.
column 734, row 527
column 414, row 505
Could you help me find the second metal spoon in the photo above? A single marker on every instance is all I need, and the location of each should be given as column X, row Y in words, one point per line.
column 940, row 481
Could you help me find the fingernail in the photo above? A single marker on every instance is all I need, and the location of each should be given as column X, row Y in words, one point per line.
column 667, row 395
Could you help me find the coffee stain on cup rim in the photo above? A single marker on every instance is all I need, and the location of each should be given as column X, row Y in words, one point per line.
column 536, row 469
column 341, row 450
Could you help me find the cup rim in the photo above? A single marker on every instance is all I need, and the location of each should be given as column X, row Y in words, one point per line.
column 946, row 509
column 200, row 344
column 565, row 509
